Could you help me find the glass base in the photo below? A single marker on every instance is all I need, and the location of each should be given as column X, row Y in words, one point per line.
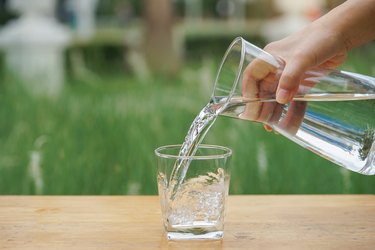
column 216, row 235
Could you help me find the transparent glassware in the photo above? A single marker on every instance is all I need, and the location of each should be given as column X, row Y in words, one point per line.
column 332, row 114
column 197, row 210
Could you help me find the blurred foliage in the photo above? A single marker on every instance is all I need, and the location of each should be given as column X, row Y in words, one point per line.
column 5, row 15
column 254, row 9
column 109, row 7
column 94, row 55
column 98, row 138
column 214, row 46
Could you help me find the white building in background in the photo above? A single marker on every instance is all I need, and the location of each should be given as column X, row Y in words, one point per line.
column 34, row 46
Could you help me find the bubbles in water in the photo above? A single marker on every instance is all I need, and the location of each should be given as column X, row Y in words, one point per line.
column 198, row 200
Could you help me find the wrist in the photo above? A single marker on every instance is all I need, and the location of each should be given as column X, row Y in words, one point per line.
column 352, row 22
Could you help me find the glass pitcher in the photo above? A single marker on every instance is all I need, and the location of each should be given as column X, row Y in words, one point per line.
column 332, row 114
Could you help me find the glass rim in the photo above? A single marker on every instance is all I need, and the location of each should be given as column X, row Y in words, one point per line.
column 240, row 41
column 227, row 152
column 246, row 48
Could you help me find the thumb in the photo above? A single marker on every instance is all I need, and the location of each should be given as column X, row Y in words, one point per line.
column 289, row 81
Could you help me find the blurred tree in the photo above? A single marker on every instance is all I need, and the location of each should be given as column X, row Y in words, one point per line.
column 159, row 50
column 5, row 14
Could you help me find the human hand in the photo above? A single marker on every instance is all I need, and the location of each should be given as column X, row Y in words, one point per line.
column 315, row 46
column 324, row 43
column 259, row 83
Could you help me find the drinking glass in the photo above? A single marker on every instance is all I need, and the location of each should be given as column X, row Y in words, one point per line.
column 197, row 209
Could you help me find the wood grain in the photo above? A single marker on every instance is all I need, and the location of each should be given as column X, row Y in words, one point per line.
column 134, row 222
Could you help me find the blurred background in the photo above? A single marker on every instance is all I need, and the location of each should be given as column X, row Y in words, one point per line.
column 89, row 88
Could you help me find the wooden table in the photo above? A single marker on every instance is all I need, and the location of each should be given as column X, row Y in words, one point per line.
column 134, row 222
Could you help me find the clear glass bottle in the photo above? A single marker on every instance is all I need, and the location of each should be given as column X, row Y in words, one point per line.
column 332, row 114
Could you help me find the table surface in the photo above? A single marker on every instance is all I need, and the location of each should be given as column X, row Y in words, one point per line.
column 134, row 222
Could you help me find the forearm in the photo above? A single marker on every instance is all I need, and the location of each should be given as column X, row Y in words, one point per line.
column 352, row 21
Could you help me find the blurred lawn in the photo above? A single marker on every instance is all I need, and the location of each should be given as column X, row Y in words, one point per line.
column 99, row 138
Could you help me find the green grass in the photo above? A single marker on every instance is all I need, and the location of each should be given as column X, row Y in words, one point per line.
column 99, row 139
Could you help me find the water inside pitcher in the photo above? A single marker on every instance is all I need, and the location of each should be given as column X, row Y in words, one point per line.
column 332, row 114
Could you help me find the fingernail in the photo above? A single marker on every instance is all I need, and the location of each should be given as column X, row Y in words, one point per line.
column 283, row 96
column 267, row 128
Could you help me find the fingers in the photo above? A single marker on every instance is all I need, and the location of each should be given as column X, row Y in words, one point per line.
column 291, row 121
column 293, row 118
column 250, row 91
column 253, row 77
column 289, row 81
column 258, row 69
column 260, row 81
